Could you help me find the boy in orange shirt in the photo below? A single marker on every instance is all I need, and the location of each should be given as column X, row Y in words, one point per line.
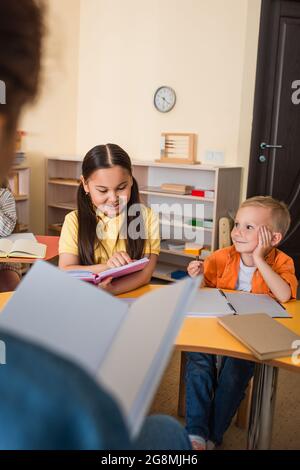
column 253, row 264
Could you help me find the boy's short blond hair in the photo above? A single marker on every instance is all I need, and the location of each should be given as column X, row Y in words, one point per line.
column 280, row 212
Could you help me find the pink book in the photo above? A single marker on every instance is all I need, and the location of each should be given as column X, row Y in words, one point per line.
column 113, row 272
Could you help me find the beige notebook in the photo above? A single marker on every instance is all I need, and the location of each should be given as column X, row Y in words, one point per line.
column 263, row 335
column 22, row 248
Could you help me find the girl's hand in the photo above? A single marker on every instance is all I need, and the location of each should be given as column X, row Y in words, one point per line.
column 120, row 258
column 264, row 243
column 106, row 284
column 195, row 268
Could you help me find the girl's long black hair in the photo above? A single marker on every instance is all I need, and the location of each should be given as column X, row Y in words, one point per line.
column 104, row 156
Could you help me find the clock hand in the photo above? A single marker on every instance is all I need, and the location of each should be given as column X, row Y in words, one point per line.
column 165, row 100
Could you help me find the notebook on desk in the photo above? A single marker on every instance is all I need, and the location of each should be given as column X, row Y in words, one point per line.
column 264, row 336
column 211, row 302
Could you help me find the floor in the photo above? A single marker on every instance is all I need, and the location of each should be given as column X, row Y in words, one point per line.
column 286, row 431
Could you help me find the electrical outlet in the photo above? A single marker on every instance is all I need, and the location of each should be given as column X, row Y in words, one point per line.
column 214, row 156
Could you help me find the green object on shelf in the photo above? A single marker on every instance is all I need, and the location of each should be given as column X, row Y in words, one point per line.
column 195, row 222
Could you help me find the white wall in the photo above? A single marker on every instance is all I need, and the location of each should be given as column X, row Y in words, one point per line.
column 128, row 49
column 104, row 60
column 51, row 122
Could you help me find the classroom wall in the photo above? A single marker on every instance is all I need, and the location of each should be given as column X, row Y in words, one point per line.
column 104, row 60
column 206, row 50
column 51, row 123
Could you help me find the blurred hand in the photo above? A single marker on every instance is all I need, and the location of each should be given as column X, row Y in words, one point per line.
column 120, row 258
column 106, row 284
column 195, row 268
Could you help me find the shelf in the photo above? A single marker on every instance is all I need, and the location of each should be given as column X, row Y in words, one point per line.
column 196, row 166
column 177, row 253
column 161, row 275
column 64, row 181
column 18, row 167
column 55, row 227
column 163, row 271
column 174, row 195
column 188, row 226
column 21, row 228
column 63, row 205
column 21, row 197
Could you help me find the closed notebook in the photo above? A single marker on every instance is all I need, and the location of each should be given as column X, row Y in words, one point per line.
column 263, row 335
column 22, row 248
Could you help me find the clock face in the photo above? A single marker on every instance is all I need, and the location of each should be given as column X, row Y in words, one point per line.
column 164, row 99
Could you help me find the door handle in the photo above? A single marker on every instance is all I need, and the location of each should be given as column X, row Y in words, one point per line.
column 264, row 146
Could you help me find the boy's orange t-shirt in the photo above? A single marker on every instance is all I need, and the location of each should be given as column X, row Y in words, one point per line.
column 221, row 270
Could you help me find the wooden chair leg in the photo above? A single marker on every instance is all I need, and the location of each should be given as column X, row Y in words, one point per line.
column 243, row 413
column 181, row 392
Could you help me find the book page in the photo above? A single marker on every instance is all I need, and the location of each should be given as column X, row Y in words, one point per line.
column 245, row 302
column 5, row 247
column 136, row 360
column 28, row 249
column 71, row 318
column 20, row 236
column 209, row 302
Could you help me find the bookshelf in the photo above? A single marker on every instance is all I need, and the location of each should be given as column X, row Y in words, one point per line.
column 63, row 178
column 19, row 183
column 225, row 183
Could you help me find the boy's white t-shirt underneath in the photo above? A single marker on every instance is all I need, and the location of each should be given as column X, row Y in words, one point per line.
column 244, row 281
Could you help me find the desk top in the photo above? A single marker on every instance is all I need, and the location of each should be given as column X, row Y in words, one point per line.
column 51, row 252
column 206, row 335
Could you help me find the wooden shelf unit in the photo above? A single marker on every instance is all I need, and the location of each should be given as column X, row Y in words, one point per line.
column 19, row 181
column 224, row 181
column 63, row 173
column 62, row 181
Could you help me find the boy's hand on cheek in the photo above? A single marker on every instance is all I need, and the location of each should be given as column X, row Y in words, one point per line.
column 264, row 243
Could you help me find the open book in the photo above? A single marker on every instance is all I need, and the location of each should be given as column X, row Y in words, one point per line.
column 21, row 245
column 129, row 268
column 216, row 303
column 125, row 347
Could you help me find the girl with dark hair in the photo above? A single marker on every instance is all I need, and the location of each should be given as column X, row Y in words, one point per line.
column 110, row 227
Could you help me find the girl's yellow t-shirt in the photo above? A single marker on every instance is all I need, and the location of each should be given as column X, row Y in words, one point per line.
column 108, row 230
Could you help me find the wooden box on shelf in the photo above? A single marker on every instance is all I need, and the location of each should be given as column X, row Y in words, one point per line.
column 178, row 147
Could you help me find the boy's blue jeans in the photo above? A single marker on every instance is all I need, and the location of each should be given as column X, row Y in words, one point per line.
column 213, row 398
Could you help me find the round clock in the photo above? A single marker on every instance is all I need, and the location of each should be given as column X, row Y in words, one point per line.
column 164, row 99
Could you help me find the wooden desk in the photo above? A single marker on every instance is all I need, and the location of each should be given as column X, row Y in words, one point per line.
column 206, row 335
column 51, row 252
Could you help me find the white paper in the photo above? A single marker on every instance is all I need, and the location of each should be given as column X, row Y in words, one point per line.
column 75, row 320
column 20, row 236
column 209, row 303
